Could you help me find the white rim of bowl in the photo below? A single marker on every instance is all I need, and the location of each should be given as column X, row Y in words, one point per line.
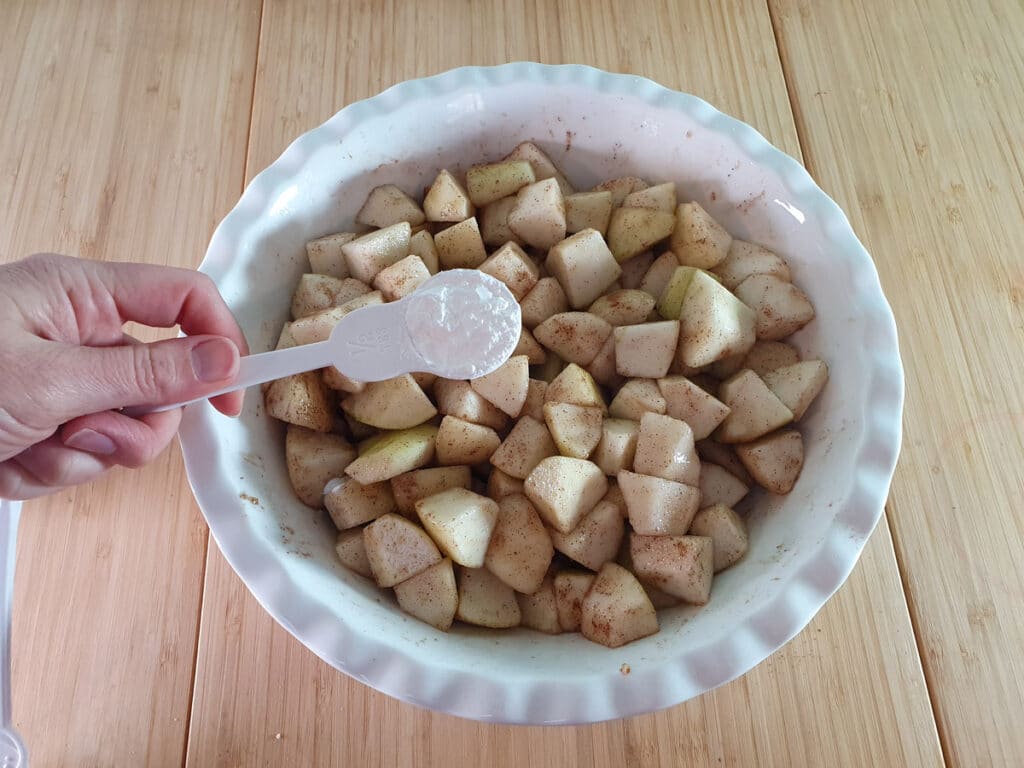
column 472, row 694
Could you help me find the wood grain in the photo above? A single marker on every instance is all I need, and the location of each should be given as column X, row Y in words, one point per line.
column 122, row 136
column 848, row 691
column 913, row 119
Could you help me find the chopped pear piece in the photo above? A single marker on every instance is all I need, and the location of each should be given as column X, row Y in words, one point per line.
column 657, row 277
column 596, row 539
column 538, row 216
column 627, row 306
column 485, row 600
column 401, row 278
column 325, row 254
column 352, row 552
column 350, row 503
column 318, row 292
column 797, row 385
column 397, row 403
column 646, row 351
column 446, row 200
column 410, row 487
column 460, row 522
column 463, row 442
column 458, row 398
column 637, row 397
column 574, row 385
column 699, row 240
column 727, row 532
column 543, row 168
column 574, row 336
column 617, row 447
column 683, row 566
column 314, row 458
column 493, row 181
column 615, row 496
column 616, row 609
column 713, row 323
column 370, row 253
column 576, row 429
column 535, row 395
column 506, row 387
column 670, row 303
column 393, row 453
column 564, row 489
column 720, row 486
column 318, row 326
column 530, row 347
column 583, row 266
column 657, row 506
column 687, row 402
column 724, row 456
column 780, row 307
column 422, row 244
column 397, row 549
column 500, row 485
column 602, row 367
column 387, row 205
column 621, row 187
column 570, row 589
column 746, row 259
column 302, row 400
column 460, row 246
column 540, row 609
column 494, row 228
column 754, row 409
column 665, row 449
column 514, row 268
column 520, row 550
column 660, row 197
column 632, row 231
column 634, row 270
column 526, row 446
column 775, row 460
column 588, row 210
column 431, row 595
column 545, row 299
column 767, row 356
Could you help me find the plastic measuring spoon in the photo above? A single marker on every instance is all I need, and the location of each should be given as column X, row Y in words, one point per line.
column 460, row 324
column 12, row 750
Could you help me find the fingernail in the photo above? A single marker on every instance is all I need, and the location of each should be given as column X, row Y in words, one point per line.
column 214, row 360
column 90, row 441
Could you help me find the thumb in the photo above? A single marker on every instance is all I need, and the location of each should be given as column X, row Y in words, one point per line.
column 176, row 370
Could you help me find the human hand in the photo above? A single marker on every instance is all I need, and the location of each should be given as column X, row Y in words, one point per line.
column 66, row 366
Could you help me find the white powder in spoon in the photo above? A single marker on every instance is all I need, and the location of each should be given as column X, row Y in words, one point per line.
column 463, row 322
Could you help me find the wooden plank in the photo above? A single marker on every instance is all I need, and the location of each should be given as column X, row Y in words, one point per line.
column 848, row 691
column 912, row 117
column 122, row 137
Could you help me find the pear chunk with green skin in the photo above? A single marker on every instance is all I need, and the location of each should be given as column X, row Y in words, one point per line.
column 727, row 532
column 463, row 442
column 774, row 461
column 520, row 549
column 387, row 205
column 460, row 246
column 635, row 398
column 325, row 255
column 538, row 216
column 302, row 400
column 564, row 489
column 713, row 323
column 754, row 410
column 393, row 453
column 410, row 487
column 683, row 566
column 632, row 231
column 657, row 277
column 780, row 307
column 574, row 385
column 458, row 398
column 588, row 210
column 687, row 402
column 431, row 595
column 485, row 600
column 670, row 303
column 657, row 506
column 493, row 181
column 699, row 240
column 422, row 244
column 543, row 168
column 570, row 589
column 596, row 540
column 401, row 278
column 540, row 609
column 514, row 268
column 616, row 609
column 397, row 549
column 507, row 386
column 397, row 403
column 583, row 266
column 767, row 356
column 368, row 254
column 350, row 503
column 352, row 552
column 660, row 197
column 576, row 337
column 447, row 200
column 621, row 187
column 720, row 486
column 746, row 259
column 797, row 385
column 576, row 429
column 665, row 449
column 617, row 447
column 460, row 522
column 313, row 459
column 544, row 300
column 623, row 307
column 646, row 351
column 316, row 293
column 524, row 448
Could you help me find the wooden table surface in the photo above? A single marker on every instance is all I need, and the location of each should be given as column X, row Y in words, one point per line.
column 128, row 129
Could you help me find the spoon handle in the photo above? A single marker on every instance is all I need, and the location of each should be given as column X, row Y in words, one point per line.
column 12, row 751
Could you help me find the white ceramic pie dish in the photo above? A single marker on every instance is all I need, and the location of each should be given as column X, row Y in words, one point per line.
column 595, row 125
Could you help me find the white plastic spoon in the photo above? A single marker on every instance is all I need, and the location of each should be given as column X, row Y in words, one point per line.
column 460, row 324
column 12, row 749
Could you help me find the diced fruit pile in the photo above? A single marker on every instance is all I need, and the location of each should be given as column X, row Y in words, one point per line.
column 564, row 491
